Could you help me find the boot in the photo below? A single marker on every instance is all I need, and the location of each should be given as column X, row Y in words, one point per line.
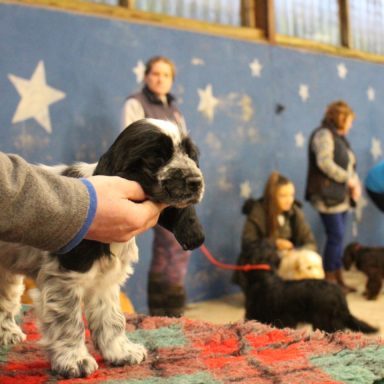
column 340, row 281
column 330, row 276
column 165, row 299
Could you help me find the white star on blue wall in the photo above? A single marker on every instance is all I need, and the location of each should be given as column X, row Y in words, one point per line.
column 245, row 189
column 304, row 92
column 208, row 102
column 256, row 68
column 139, row 71
column 376, row 150
column 371, row 94
column 35, row 97
column 299, row 139
column 342, row 70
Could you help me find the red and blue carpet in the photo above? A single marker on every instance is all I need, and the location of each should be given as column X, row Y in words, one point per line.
column 183, row 351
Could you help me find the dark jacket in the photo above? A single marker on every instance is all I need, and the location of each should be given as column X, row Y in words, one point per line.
column 321, row 185
column 255, row 240
column 154, row 108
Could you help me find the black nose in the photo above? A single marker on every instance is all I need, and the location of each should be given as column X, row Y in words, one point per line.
column 193, row 182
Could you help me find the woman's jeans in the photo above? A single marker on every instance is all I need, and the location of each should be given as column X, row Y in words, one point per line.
column 335, row 226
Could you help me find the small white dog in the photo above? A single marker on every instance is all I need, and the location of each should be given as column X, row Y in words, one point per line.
column 301, row 264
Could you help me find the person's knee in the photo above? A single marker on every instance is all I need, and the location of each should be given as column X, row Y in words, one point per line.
column 335, row 235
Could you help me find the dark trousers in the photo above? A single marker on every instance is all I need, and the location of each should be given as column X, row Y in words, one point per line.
column 377, row 199
column 334, row 225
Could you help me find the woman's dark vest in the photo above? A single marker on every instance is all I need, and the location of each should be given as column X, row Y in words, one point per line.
column 154, row 108
column 318, row 183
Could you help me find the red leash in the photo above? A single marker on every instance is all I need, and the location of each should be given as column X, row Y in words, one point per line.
column 246, row 267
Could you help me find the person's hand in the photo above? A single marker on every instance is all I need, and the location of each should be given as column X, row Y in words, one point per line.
column 283, row 244
column 122, row 210
column 354, row 186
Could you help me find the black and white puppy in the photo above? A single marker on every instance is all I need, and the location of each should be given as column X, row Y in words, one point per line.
column 164, row 162
column 370, row 261
column 272, row 300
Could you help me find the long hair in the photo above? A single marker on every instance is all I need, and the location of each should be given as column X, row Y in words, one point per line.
column 274, row 182
column 337, row 113
column 155, row 59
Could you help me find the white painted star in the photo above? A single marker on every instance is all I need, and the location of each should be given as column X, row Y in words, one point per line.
column 299, row 139
column 223, row 183
column 342, row 70
column 35, row 98
column 213, row 141
column 208, row 102
column 197, row 61
column 245, row 189
column 256, row 68
column 371, row 94
column 139, row 71
column 304, row 92
column 376, row 150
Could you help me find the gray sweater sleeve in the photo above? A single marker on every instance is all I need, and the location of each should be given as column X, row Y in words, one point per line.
column 132, row 111
column 38, row 208
column 323, row 146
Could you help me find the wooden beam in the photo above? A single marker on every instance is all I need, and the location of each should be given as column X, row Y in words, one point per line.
column 247, row 12
column 345, row 29
column 265, row 18
column 130, row 4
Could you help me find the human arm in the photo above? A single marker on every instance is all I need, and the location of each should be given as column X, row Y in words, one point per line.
column 323, row 147
column 354, row 186
column 50, row 212
column 252, row 233
column 132, row 111
column 303, row 235
column 39, row 208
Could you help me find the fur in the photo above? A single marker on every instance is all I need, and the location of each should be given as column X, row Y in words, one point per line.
column 320, row 303
column 272, row 300
column 370, row 261
column 164, row 162
column 301, row 264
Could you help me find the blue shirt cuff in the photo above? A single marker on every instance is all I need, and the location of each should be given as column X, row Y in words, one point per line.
column 88, row 220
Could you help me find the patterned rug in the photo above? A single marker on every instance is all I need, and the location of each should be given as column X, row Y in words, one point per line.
column 183, row 351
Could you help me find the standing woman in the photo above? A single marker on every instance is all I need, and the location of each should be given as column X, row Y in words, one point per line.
column 166, row 292
column 333, row 186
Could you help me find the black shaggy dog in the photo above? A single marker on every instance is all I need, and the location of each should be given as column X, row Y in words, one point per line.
column 272, row 300
column 164, row 162
column 370, row 261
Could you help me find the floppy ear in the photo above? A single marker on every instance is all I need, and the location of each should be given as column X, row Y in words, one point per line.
column 184, row 224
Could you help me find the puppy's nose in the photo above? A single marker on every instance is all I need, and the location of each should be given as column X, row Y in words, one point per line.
column 193, row 182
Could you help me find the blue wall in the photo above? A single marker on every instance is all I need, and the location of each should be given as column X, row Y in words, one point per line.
column 88, row 64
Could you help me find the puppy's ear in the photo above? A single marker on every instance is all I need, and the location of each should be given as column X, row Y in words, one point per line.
column 184, row 224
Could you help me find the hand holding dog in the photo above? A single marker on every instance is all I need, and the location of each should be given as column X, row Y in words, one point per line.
column 122, row 210
column 283, row 244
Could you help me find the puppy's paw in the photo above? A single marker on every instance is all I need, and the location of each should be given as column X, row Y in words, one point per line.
column 121, row 351
column 71, row 367
column 11, row 334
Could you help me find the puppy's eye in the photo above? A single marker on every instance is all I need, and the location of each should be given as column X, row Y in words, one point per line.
column 190, row 149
